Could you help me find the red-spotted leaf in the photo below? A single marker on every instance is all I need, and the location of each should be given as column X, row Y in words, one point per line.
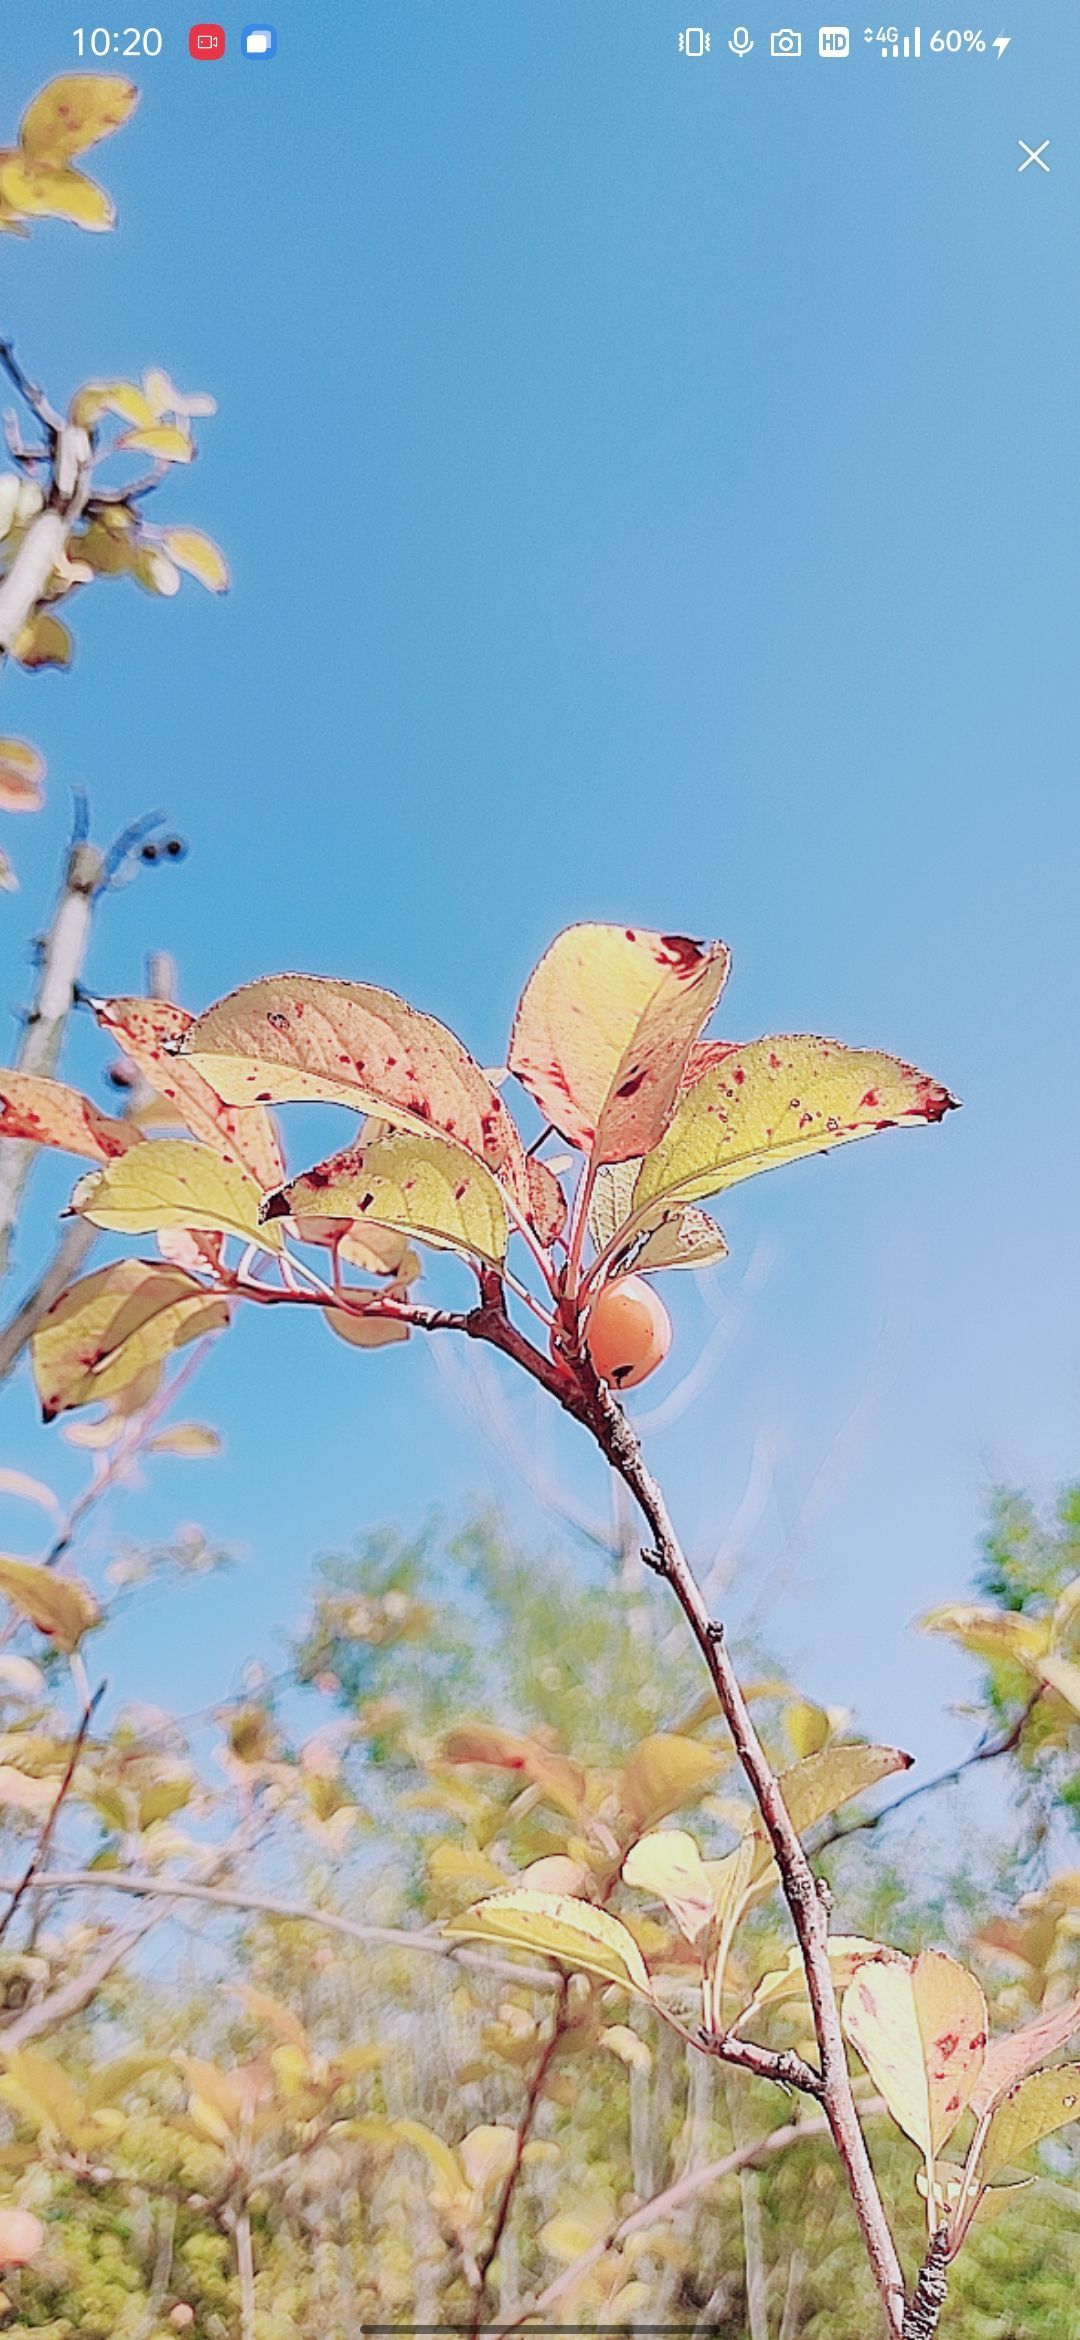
column 297, row 1038
column 48, row 1113
column 148, row 1030
column 604, row 1030
column 773, row 1101
column 1010, row 2059
column 72, row 112
column 116, row 1328
column 920, row 2029
column 424, row 1187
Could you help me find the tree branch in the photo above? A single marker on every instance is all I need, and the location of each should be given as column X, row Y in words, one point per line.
column 671, row 2199
column 928, row 2299
column 61, row 966
column 41, row 1851
column 541, row 1978
column 486, row 2257
column 987, row 1751
column 619, row 1443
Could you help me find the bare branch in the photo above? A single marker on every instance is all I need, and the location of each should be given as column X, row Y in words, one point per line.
column 540, row 1978
column 41, row 1851
column 988, row 1750
column 928, row 2298
column 61, row 966
column 618, row 1441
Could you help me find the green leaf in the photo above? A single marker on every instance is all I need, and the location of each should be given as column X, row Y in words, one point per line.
column 113, row 1327
column 554, row 1925
column 773, row 1101
column 1034, row 2109
column 426, row 1187
column 817, row 1787
column 847, row 1953
column 168, row 1183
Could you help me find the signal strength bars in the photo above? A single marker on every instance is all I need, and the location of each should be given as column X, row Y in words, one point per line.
column 905, row 44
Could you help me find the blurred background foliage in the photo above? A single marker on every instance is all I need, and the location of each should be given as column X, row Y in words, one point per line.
column 338, row 2114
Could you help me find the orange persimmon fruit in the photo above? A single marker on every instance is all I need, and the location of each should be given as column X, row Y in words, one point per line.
column 628, row 1332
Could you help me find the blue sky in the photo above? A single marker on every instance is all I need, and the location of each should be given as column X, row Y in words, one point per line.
column 651, row 492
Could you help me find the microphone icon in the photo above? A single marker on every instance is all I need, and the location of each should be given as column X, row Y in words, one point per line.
column 740, row 42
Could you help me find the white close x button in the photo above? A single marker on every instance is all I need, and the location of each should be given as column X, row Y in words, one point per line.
column 1034, row 154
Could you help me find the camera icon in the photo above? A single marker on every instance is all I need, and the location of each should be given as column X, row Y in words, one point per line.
column 785, row 43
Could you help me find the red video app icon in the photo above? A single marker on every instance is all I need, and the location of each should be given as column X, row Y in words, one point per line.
column 206, row 40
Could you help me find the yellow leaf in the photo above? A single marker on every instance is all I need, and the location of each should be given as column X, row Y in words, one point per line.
column 304, row 1039
column 22, row 771
column 669, row 1865
column 20, row 1793
column 61, row 1606
column 553, row 1925
column 48, row 1113
column 43, row 641
column 571, row 2233
column 808, row 1727
column 920, row 2029
column 113, row 1327
column 817, row 1787
column 756, row 1107
column 424, row 1187
column 199, row 555
column 1010, row 2059
column 153, row 570
column 450, row 2192
column 165, row 1182
column 605, row 1028
column 165, row 442
column 487, row 2156
column 996, row 1634
column 665, row 1771
column 1063, row 1675
column 122, row 398
column 150, row 1031
column 32, row 1491
column 73, row 112
column 41, row 2089
column 847, row 1952
column 41, row 192
column 365, row 1332
column 625, row 2044
column 1034, row 2109
column 376, row 1251
column 187, row 1438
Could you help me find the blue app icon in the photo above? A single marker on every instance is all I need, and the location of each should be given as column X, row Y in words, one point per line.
column 258, row 40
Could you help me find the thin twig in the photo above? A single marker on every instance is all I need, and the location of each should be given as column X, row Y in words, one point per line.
column 540, row 1978
column 537, row 2084
column 41, row 1850
column 665, row 2204
column 988, row 1750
